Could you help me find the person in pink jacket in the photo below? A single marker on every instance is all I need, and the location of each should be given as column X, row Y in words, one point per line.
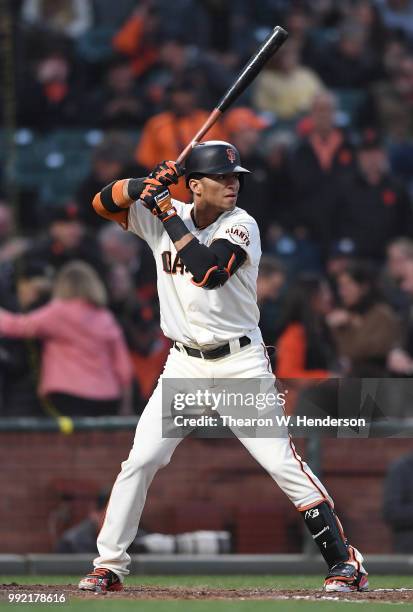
column 86, row 368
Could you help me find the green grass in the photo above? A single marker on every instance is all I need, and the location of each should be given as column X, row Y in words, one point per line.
column 281, row 582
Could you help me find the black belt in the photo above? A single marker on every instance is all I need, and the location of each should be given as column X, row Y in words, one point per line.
column 220, row 351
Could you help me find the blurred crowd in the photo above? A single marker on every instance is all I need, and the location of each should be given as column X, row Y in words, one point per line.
column 101, row 90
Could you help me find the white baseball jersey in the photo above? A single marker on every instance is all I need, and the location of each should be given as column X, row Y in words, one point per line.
column 189, row 314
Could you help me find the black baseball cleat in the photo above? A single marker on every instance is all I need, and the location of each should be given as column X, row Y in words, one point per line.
column 347, row 576
column 101, row 580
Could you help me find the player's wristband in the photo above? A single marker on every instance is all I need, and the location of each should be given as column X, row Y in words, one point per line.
column 175, row 228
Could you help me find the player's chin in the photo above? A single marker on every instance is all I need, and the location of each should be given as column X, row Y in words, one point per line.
column 229, row 202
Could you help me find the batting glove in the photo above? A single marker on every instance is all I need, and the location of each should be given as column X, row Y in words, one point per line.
column 167, row 173
column 157, row 199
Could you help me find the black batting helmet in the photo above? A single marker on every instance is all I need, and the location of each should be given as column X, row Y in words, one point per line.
column 213, row 157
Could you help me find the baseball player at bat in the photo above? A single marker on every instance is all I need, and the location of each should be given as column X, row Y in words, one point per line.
column 207, row 257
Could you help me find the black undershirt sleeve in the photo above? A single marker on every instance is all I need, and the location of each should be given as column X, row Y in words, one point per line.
column 212, row 266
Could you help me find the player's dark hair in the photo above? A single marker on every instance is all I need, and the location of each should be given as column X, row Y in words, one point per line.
column 195, row 176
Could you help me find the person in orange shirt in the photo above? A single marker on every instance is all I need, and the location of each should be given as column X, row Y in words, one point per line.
column 304, row 350
column 137, row 38
column 165, row 135
column 305, row 347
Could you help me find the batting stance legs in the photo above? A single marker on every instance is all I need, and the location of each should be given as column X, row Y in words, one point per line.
column 151, row 451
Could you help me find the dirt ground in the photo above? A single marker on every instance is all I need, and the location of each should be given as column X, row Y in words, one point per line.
column 155, row 592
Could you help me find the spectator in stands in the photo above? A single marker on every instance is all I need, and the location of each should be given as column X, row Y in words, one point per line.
column 11, row 246
column 367, row 14
column 279, row 201
column 364, row 327
column 66, row 240
column 138, row 38
column 19, row 359
column 400, row 359
column 349, row 62
column 341, row 254
column 329, row 14
column 188, row 20
column 267, row 11
column 299, row 21
column 142, row 36
column 69, row 17
column 285, row 87
column 397, row 15
column 81, row 538
column 50, row 97
column 399, row 251
column 398, row 503
column 270, row 287
column 390, row 103
column 139, row 319
column 298, row 253
column 304, row 346
column 219, row 27
column 177, row 61
column 394, row 52
column 120, row 103
column 109, row 14
column 374, row 207
column 401, row 161
column 120, row 248
column 85, row 367
column 165, row 135
column 321, row 161
column 111, row 160
column 388, row 106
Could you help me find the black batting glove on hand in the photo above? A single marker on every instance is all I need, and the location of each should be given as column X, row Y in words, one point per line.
column 157, row 199
column 167, row 173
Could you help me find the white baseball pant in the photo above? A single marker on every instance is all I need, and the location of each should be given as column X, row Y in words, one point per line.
column 151, row 451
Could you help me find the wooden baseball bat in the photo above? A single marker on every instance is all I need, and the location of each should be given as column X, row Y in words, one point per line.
column 270, row 45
